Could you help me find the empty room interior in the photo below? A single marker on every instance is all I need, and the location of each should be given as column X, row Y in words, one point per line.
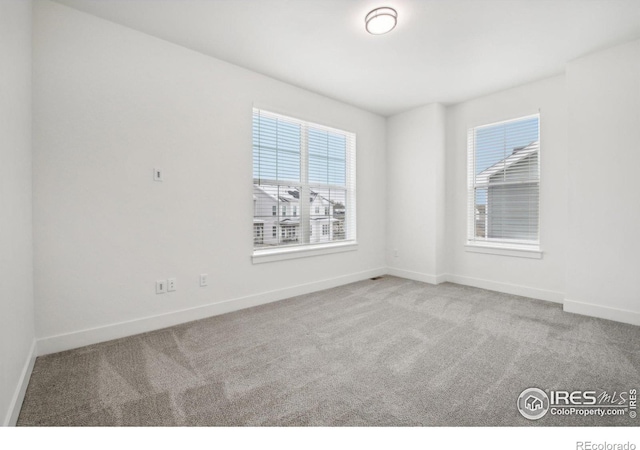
column 319, row 213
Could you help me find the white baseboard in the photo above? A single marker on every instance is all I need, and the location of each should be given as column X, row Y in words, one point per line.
column 507, row 288
column 21, row 389
column 602, row 312
column 68, row 341
column 416, row 276
column 81, row 338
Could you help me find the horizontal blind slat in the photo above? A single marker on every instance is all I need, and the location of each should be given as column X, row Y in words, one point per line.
column 504, row 174
column 279, row 143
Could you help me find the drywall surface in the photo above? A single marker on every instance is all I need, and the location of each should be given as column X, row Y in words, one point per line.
column 603, row 250
column 16, row 252
column 540, row 278
column 111, row 104
column 416, row 193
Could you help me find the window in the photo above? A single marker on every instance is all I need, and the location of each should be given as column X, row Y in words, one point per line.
column 504, row 184
column 274, row 231
column 302, row 165
column 289, row 233
column 258, row 233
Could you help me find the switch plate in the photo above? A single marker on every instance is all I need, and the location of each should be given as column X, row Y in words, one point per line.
column 171, row 284
column 157, row 174
column 161, row 286
column 204, row 279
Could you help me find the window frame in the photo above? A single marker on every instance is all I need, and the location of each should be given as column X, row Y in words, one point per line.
column 500, row 246
column 307, row 249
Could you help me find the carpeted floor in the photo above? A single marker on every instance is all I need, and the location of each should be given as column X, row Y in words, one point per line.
column 377, row 352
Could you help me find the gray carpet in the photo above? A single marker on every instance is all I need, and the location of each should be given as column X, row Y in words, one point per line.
column 377, row 352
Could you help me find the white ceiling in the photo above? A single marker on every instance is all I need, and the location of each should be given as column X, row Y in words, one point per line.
column 441, row 51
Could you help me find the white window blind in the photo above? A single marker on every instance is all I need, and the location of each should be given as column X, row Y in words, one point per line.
column 504, row 182
column 303, row 182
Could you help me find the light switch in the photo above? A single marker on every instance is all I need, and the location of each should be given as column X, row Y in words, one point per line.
column 161, row 286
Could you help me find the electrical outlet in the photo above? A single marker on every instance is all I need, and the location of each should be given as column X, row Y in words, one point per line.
column 157, row 174
column 204, row 279
column 171, row 284
column 161, row 286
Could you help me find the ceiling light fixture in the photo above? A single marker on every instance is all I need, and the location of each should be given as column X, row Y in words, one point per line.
column 381, row 20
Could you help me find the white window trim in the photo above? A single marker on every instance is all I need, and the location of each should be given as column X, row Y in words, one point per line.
column 499, row 247
column 495, row 248
column 302, row 251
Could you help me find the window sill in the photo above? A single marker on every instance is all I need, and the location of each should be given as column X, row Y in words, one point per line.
column 519, row 251
column 281, row 254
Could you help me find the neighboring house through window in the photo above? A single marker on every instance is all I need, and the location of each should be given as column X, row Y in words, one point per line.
column 306, row 167
column 504, row 183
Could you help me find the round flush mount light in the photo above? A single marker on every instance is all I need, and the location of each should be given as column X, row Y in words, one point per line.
column 381, row 20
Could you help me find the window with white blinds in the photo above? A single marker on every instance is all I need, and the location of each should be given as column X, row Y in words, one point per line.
column 504, row 183
column 303, row 183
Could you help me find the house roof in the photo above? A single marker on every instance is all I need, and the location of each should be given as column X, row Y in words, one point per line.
column 291, row 195
column 518, row 154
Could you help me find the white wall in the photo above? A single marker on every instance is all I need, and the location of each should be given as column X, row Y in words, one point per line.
column 603, row 249
column 416, row 193
column 543, row 278
column 16, row 285
column 111, row 103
